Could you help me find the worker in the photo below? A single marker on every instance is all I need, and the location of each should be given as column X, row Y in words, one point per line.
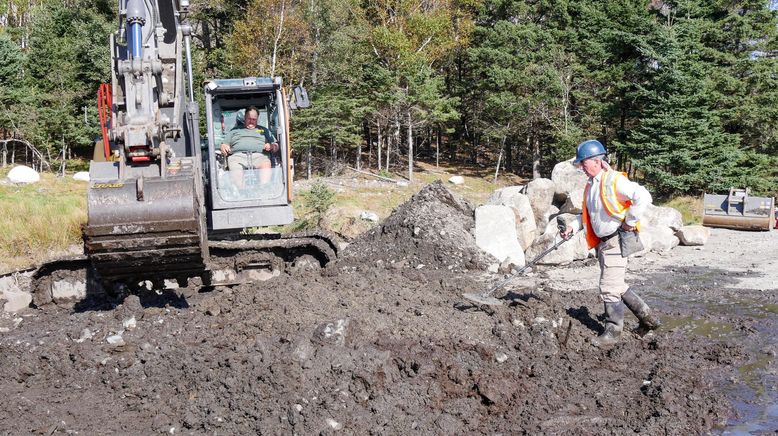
column 611, row 202
column 248, row 148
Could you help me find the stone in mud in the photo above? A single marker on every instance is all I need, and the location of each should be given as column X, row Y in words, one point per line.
column 333, row 333
column 693, row 235
column 16, row 301
column 495, row 233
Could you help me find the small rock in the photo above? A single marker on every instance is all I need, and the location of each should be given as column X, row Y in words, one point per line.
column 457, row 180
column 81, row 176
column 116, row 339
column 85, row 334
column 501, row 357
column 334, row 424
column 693, row 235
column 369, row 216
column 16, row 301
column 129, row 323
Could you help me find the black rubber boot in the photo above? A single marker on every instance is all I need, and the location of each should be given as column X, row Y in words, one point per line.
column 648, row 321
column 614, row 324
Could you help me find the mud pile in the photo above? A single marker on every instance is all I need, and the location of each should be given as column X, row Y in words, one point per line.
column 432, row 230
column 361, row 352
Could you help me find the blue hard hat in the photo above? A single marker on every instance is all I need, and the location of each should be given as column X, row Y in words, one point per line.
column 587, row 149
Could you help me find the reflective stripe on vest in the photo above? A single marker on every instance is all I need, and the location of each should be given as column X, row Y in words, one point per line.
column 610, row 201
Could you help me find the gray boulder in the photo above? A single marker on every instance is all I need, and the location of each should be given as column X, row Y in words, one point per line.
column 574, row 249
column 659, row 216
column 693, row 235
column 16, row 301
column 495, row 233
column 550, row 213
column 541, row 194
column 526, row 228
column 567, row 178
column 659, row 239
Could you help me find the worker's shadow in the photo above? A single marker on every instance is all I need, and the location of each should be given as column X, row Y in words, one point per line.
column 582, row 315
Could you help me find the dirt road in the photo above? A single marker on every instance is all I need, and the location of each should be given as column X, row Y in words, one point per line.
column 382, row 342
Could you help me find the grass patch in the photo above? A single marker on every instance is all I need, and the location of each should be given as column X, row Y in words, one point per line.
column 690, row 207
column 40, row 220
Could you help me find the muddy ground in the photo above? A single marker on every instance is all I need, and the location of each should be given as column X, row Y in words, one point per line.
column 382, row 342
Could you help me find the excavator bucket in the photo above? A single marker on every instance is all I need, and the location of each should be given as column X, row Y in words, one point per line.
column 146, row 227
column 739, row 210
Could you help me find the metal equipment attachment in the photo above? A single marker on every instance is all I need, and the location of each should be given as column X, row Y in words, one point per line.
column 739, row 210
column 487, row 299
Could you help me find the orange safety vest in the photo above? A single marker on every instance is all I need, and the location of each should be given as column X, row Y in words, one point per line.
column 610, row 200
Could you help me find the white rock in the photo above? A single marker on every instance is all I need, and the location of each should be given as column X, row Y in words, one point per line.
column 526, row 228
column 86, row 334
column 693, row 235
column 541, row 194
column 552, row 211
column 369, row 216
column 335, row 425
column 501, row 357
column 81, row 176
column 658, row 216
column 68, row 290
column 495, row 233
column 129, row 323
column 116, row 339
column 566, row 178
column 574, row 249
column 660, row 239
column 16, row 301
column 23, row 174
column 457, row 180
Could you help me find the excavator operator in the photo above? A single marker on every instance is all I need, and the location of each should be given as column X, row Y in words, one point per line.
column 248, row 148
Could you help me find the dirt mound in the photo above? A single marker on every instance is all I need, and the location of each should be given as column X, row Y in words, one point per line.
column 368, row 351
column 431, row 230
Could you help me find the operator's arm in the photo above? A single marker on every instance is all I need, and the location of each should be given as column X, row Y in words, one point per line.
column 225, row 145
column 270, row 144
column 638, row 195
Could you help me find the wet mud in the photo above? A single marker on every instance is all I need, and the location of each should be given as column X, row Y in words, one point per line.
column 382, row 342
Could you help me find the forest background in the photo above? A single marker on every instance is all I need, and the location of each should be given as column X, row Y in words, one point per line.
column 683, row 93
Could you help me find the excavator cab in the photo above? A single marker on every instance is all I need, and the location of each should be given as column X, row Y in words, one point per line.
column 250, row 195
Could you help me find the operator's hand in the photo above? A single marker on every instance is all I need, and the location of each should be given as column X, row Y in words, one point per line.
column 225, row 149
column 627, row 227
column 273, row 148
column 567, row 233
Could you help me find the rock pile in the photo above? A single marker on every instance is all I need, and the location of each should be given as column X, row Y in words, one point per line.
column 431, row 230
column 536, row 208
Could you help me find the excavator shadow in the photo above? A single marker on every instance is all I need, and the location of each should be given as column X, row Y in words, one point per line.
column 99, row 300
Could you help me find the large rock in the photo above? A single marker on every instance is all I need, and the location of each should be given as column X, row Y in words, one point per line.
column 23, row 174
column 567, row 178
column 457, row 180
column 526, row 228
column 495, row 233
column 659, row 239
column 574, row 202
column 541, row 194
column 550, row 213
column 658, row 216
column 693, row 235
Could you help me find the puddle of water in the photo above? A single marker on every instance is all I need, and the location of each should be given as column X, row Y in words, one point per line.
column 700, row 327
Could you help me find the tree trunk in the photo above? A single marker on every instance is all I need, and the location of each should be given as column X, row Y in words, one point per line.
column 508, row 156
column 308, row 159
column 535, row 158
column 437, row 148
column 380, row 143
column 410, row 144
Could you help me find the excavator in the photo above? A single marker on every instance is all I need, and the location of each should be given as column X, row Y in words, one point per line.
column 162, row 202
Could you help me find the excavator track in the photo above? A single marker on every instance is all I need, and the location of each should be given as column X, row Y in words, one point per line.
column 234, row 259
